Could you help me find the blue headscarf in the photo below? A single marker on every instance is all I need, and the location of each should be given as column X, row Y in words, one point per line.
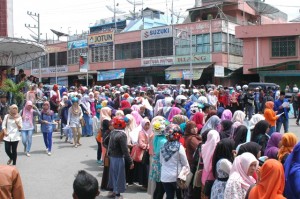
column 98, row 106
column 292, row 174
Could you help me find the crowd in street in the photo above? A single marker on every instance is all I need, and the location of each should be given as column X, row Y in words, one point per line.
column 201, row 142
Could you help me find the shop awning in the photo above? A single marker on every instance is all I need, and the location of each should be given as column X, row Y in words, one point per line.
column 276, row 66
column 187, row 67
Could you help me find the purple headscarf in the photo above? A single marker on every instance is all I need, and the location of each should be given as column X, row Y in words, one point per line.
column 138, row 118
column 174, row 111
column 272, row 147
column 226, row 115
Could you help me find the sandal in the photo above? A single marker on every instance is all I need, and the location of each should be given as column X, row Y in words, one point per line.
column 9, row 162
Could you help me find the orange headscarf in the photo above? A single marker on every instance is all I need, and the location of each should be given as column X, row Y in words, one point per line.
column 288, row 141
column 269, row 104
column 271, row 184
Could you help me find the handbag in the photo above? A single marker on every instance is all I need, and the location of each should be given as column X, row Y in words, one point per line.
column 2, row 133
column 82, row 122
column 198, row 174
column 146, row 158
column 137, row 153
column 207, row 187
column 183, row 184
column 106, row 160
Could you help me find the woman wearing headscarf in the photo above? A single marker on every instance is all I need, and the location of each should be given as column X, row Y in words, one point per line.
column 240, row 136
column 255, row 119
column 260, row 134
column 120, row 113
column 55, row 91
column 226, row 115
column 64, row 121
column 47, row 120
column 174, row 111
column 74, row 116
column 210, row 114
column 142, row 169
column 212, row 123
column 240, row 178
column 158, row 124
column 92, row 102
column 28, row 124
column 124, row 104
column 270, row 116
column 137, row 118
column 86, row 110
column 207, row 151
column 135, row 108
column 173, row 161
column 273, row 146
column 180, row 119
column 288, row 141
column 97, row 133
column 225, row 131
column 292, row 174
column 221, row 165
column 271, row 184
column 198, row 118
column 192, row 141
column 237, row 119
column 251, row 147
column 11, row 125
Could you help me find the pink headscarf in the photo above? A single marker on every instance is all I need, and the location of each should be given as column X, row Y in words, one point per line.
column 138, row 118
column 174, row 111
column 27, row 115
column 144, row 122
column 207, row 152
column 226, row 115
column 135, row 108
column 241, row 166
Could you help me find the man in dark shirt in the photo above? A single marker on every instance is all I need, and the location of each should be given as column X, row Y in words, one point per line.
column 249, row 103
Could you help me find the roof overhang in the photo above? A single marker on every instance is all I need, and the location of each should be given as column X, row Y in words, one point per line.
column 275, row 66
column 15, row 51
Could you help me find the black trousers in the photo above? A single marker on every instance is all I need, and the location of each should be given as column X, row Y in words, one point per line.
column 99, row 150
column 11, row 150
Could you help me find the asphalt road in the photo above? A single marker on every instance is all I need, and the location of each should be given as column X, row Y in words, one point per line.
column 51, row 177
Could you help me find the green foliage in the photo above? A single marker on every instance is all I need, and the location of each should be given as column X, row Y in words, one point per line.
column 15, row 89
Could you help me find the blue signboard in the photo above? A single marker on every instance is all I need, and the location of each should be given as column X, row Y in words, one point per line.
column 110, row 75
column 77, row 44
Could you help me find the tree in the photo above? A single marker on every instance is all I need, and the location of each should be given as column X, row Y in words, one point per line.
column 16, row 90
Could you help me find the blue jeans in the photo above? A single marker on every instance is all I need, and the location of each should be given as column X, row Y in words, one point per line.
column 87, row 129
column 249, row 111
column 271, row 131
column 27, row 139
column 285, row 123
column 48, row 140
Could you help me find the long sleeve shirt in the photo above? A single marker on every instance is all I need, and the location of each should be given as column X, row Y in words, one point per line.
column 12, row 128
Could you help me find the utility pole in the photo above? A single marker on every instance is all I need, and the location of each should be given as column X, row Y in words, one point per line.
column 36, row 18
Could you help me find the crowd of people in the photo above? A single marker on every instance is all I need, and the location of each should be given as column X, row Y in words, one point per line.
column 220, row 142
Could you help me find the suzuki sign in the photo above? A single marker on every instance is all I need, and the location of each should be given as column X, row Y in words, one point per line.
column 157, row 33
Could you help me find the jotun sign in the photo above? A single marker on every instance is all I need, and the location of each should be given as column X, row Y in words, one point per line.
column 101, row 39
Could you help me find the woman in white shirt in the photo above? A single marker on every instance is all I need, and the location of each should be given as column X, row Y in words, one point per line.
column 11, row 125
column 74, row 116
column 173, row 161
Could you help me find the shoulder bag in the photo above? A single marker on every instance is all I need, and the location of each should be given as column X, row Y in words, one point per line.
column 183, row 184
column 2, row 133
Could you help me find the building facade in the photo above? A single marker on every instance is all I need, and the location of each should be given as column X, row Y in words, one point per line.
column 6, row 18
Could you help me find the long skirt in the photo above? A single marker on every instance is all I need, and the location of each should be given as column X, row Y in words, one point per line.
column 141, row 173
column 151, row 183
column 117, row 179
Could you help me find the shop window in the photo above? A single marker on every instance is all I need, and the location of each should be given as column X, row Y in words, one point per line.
column 102, row 53
column 73, row 55
column 283, row 46
column 158, row 47
column 219, row 42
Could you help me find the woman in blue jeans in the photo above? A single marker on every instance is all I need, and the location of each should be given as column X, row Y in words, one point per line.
column 47, row 118
column 28, row 122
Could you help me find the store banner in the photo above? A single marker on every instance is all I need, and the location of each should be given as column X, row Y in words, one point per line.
column 196, row 74
column 157, row 33
column 219, row 71
column 60, row 69
column 157, row 61
column 101, row 39
column 110, row 75
column 185, row 59
column 83, row 63
column 173, row 75
column 77, row 44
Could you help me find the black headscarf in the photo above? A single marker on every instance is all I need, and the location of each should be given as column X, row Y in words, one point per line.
column 223, row 149
column 240, row 135
column 251, row 147
column 259, row 129
column 226, row 132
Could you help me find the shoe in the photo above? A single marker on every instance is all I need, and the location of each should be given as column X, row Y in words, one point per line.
column 119, row 197
column 49, row 153
column 28, row 154
column 297, row 123
column 71, row 142
column 66, row 140
column 46, row 150
column 99, row 162
column 111, row 195
column 9, row 162
column 79, row 144
column 61, row 137
column 75, row 145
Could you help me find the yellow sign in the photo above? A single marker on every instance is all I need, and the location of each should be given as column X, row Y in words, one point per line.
column 101, row 39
